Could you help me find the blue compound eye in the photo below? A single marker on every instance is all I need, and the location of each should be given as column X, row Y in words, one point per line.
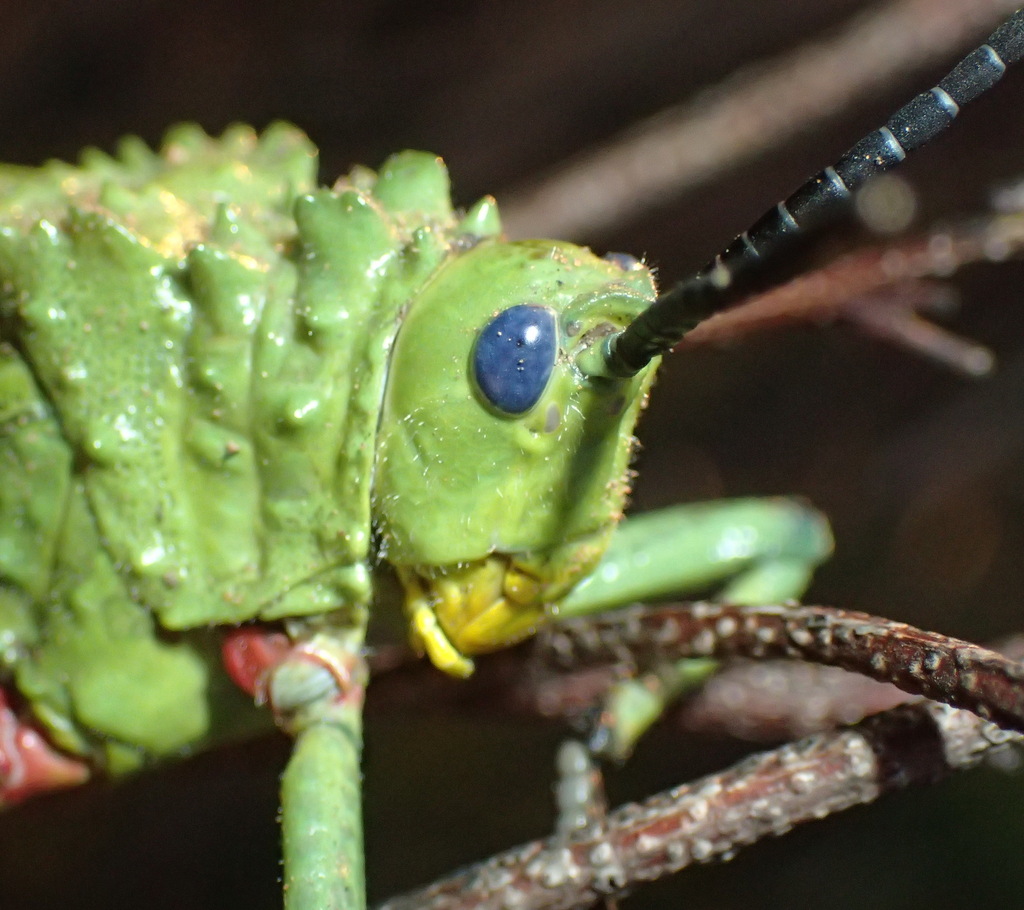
column 514, row 356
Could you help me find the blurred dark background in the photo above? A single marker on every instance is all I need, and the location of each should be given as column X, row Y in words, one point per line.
column 918, row 469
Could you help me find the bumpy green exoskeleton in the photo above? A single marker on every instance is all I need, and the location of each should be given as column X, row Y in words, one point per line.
column 228, row 395
column 196, row 429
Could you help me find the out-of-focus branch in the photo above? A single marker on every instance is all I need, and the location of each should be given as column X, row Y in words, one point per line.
column 763, row 796
column 757, row 109
column 880, row 289
column 777, row 700
column 764, row 700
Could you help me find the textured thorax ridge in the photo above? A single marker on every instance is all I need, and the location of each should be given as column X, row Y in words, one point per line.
column 193, row 349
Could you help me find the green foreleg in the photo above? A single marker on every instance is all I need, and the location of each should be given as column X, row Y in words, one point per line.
column 758, row 551
column 321, row 819
column 765, row 549
column 320, row 691
column 633, row 705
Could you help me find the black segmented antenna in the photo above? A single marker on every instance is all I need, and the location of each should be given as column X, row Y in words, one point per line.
column 725, row 279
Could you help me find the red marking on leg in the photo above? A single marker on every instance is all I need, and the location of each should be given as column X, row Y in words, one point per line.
column 250, row 653
column 263, row 662
column 28, row 763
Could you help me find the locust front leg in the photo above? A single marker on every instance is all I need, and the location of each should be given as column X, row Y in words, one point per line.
column 316, row 689
column 751, row 551
column 29, row 764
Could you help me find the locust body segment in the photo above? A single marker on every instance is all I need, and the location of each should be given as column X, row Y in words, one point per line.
column 219, row 384
column 228, row 397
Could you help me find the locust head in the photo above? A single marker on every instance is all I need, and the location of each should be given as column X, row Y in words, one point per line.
column 502, row 459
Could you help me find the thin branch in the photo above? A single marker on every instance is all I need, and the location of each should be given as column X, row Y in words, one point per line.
column 935, row 666
column 880, row 289
column 766, row 700
column 778, row 700
column 892, row 317
column 763, row 796
column 758, row 109
column 751, row 700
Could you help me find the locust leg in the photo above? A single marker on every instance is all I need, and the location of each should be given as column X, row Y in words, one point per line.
column 28, row 763
column 315, row 688
column 749, row 551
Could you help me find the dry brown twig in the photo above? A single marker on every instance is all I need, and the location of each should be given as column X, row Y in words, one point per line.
column 778, row 700
column 881, row 290
column 759, row 108
column 769, row 793
column 710, row 819
column 935, row 666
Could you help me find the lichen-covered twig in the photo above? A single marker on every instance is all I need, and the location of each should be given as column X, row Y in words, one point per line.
column 778, row 700
column 769, row 793
column 935, row 666
column 710, row 819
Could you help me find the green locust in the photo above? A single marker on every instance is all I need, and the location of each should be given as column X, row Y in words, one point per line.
column 239, row 412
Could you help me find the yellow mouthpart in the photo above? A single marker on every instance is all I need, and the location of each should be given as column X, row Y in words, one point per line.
column 481, row 606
